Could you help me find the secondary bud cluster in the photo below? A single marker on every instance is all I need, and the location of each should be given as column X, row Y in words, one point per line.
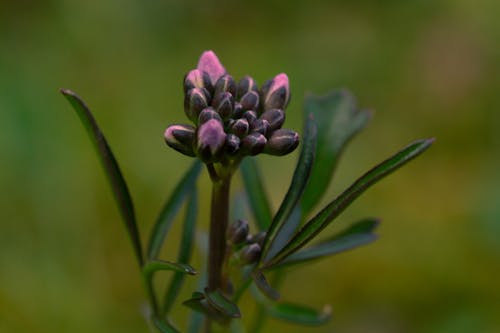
column 249, row 246
column 231, row 119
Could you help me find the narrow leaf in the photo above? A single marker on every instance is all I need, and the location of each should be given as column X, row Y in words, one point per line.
column 170, row 209
column 358, row 234
column 164, row 326
column 299, row 314
column 222, row 304
column 264, row 287
column 185, row 250
column 337, row 206
column 111, row 169
column 299, row 181
column 338, row 119
column 256, row 192
column 153, row 266
column 199, row 303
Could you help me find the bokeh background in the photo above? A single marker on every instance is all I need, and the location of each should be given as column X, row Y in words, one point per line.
column 428, row 68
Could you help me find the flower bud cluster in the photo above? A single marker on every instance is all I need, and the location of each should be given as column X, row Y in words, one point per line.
column 249, row 247
column 231, row 119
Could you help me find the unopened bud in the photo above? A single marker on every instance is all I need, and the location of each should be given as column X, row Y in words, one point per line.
column 238, row 110
column 223, row 104
column 211, row 138
column 196, row 79
column 258, row 238
column 238, row 232
column 232, row 144
column 253, row 143
column 207, row 114
column 250, row 101
column 282, row 142
column 181, row 138
column 245, row 85
column 261, row 126
column 277, row 95
column 210, row 64
column 225, row 84
column 196, row 100
column 275, row 117
column 250, row 254
column 251, row 116
column 239, row 127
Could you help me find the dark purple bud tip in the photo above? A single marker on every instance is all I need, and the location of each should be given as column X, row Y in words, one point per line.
column 275, row 117
column 245, row 85
column 211, row 138
column 253, row 143
column 196, row 79
column 250, row 116
column 250, row 254
column 196, row 100
column 225, row 84
column 238, row 231
column 278, row 94
column 239, row 127
column 250, row 101
column 181, row 137
column 232, row 144
column 261, row 126
column 207, row 114
column 210, row 64
column 282, row 142
column 238, row 110
column 224, row 104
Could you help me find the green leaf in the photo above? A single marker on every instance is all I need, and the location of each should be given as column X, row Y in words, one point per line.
column 164, row 326
column 170, row 209
column 256, row 192
column 358, row 234
column 198, row 303
column 153, row 266
column 264, row 287
column 338, row 120
column 185, row 250
column 222, row 304
column 299, row 181
column 337, row 206
column 299, row 314
column 111, row 168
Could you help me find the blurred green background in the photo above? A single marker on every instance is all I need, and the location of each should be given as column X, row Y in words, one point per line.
column 428, row 68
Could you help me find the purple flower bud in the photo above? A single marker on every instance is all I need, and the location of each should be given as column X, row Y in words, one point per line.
column 196, row 100
column 232, row 144
column 253, row 143
column 211, row 138
column 250, row 254
column 239, row 127
column 196, row 79
column 282, row 142
column 223, row 104
column 238, row 231
column 238, row 110
column 277, row 95
column 225, row 84
column 181, row 137
column 250, row 101
column 275, row 117
column 251, row 116
column 245, row 85
column 210, row 64
column 207, row 114
column 260, row 126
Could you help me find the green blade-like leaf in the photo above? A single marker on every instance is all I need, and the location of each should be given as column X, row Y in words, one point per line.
column 153, row 266
column 170, row 209
column 164, row 326
column 299, row 181
column 222, row 304
column 358, row 234
column 256, row 192
column 199, row 303
column 111, row 168
column 338, row 120
column 299, row 314
column 185, row 250
column 337, row 206
column 264, row 287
